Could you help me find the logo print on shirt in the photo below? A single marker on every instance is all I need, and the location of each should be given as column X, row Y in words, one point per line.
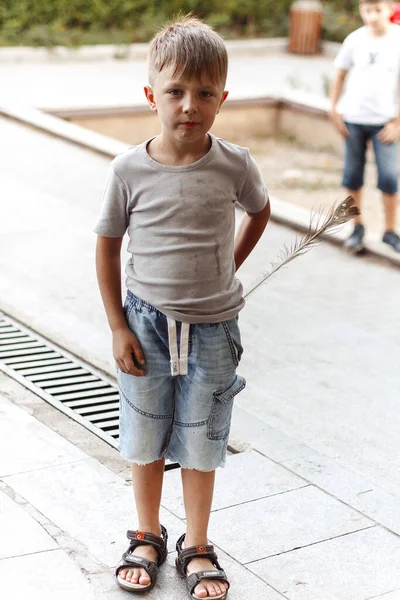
column 372, row 58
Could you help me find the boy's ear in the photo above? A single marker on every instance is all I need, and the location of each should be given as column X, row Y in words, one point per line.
column 224, row 97
column 150, row 97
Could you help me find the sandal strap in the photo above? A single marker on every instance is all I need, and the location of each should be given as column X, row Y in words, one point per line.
column 137, row 561
column 142, row 538
column 185, row 555
column 195, row 578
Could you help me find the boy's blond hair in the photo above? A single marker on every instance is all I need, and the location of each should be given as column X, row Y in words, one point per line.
column 193, row 47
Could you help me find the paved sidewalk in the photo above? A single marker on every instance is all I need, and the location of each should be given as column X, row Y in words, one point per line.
column 319, row 361
column 63, row 517
column 308, row 510
column 110, row 82
column 65, row 506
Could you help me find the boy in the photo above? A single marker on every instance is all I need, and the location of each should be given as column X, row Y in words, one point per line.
column 176, row 341
column 370, row 111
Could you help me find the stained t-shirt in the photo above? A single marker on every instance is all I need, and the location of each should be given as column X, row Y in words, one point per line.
column 371, row 96
column 181, row 224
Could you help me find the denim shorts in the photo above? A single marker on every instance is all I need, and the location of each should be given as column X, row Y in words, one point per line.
column 354, row 160
column 184, row 418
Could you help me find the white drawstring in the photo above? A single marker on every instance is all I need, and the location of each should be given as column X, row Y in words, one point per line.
column 179, row 365
column 183, row 360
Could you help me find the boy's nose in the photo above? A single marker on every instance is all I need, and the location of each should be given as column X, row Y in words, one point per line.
column 189, row 106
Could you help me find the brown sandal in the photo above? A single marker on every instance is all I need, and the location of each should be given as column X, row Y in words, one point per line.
column 185, row 555
column 128, row 560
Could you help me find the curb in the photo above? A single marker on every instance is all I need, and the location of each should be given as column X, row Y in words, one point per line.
column 298, row 218
column 63, row 129
column 285, row 213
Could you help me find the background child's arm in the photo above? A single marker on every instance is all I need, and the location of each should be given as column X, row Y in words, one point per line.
column 108, row 267
column 335, row 93
column 250, row 231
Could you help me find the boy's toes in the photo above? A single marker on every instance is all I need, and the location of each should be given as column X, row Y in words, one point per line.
column 144, row 578
column 213, row 590
column 139, row 576
column 209, row 589
column 133, row 575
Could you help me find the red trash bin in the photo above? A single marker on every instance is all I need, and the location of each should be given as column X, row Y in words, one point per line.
column 305, row 27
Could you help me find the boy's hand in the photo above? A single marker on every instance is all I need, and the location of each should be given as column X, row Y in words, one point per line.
column 126, row 350
column 338, row 122
column 389, row 133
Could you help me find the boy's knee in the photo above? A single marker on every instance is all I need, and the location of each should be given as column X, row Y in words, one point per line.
column 388, row 183
column 353, row 180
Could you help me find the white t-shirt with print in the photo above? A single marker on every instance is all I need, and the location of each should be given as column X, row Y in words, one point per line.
column 371, row 96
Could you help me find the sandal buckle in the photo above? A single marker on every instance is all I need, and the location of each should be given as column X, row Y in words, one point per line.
column 201, row 549
column 139, row 535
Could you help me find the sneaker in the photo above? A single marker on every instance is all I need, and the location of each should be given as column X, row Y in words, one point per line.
column 355, row 242
column 391, row 238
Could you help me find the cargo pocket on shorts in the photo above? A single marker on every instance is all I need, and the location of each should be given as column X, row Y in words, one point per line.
column 219, row 423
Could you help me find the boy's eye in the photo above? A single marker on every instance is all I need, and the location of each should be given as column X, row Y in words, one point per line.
column 175, row 92
column 205, row 94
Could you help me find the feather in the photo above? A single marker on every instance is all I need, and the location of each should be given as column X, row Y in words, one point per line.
column 320, row 223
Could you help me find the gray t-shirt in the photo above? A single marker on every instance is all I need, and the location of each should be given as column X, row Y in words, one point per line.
column 181, row 226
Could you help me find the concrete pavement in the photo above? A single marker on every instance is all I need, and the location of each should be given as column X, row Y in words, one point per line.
column 317, row 485
column 66, row 502
column 105, row 81
column 307, row 511
column 320, row 337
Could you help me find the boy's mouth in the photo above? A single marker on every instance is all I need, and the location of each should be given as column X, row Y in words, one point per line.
column 189, row 124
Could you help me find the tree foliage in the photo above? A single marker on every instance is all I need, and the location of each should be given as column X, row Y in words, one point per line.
column 141, row 18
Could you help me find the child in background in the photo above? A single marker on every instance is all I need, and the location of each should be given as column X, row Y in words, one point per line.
column 370, row 111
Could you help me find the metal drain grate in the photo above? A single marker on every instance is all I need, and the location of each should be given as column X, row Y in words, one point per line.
column 64, row 381
column 58, row 377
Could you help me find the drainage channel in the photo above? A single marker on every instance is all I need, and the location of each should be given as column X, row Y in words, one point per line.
column 67, row 383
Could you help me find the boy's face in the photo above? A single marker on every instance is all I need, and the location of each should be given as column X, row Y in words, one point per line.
column 186, row 107
column 376, row 15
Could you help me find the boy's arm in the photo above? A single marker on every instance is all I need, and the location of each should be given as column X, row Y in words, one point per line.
column 108, row 268
column 250, row 231
column 335, row 94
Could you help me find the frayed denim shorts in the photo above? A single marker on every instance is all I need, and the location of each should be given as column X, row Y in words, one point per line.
column 184, row 417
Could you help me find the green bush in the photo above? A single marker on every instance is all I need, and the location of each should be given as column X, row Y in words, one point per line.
column 73, row 22
column 337, row 24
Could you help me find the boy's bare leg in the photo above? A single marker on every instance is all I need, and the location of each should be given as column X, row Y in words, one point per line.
column 198, row 489
column 357, row 195
column 147, row 483
column 390, row 204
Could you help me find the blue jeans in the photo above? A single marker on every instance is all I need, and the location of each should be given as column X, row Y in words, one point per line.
column 354, row 161
column 185, row 418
